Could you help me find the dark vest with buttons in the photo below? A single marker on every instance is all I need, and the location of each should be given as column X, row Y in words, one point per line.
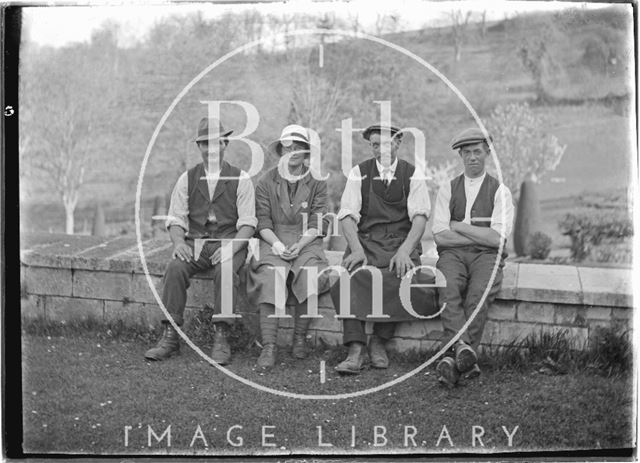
column 223, row 204
column 483, row 205
column 392, row 216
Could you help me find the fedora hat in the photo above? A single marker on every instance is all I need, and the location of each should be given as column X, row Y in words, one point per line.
column 290, row 134
column 393, row 131
column 217, row 130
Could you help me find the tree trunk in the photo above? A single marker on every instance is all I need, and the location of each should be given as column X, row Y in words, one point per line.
column 69, row 209
column 99, row 226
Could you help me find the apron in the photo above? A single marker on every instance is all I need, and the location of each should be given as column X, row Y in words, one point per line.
column 380, row 244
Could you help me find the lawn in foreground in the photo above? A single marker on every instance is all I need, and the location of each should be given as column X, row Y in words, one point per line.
column 84, row 395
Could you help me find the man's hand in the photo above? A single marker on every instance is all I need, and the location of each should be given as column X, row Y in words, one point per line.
column 354, row 259
column 217, row 257
column 402, row 263
column 183, row 252
column 454, row 226
column 292, row 252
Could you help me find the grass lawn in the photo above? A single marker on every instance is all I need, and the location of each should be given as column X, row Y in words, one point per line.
column 80, row 393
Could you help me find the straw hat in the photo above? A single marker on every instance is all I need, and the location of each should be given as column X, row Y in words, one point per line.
column 291, row 133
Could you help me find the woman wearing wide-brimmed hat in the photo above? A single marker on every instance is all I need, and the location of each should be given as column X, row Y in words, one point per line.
column 290, row 216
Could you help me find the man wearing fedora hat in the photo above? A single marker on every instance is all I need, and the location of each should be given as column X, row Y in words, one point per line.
column 472, row 217
column 383, row 213
column 212, row 200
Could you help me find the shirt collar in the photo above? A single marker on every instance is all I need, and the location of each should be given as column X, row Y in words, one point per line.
column 215, row 174
column 475, row 180
column 392, row 167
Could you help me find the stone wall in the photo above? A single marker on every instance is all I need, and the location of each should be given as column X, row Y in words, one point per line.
column 67, row 278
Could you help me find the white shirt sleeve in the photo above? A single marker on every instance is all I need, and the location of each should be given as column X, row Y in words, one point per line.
column 179, row 205
column 442, row 214
column 502, row 217
column 351, row 201
column 418, row 202
column 246, row 202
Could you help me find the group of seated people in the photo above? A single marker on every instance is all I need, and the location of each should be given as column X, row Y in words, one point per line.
column 383, row 215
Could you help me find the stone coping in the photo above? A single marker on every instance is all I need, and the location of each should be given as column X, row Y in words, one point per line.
column 568, row 284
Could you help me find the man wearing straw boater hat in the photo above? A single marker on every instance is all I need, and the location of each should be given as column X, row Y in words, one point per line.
column 212, row 200
column 383, row 213
column 473, row 215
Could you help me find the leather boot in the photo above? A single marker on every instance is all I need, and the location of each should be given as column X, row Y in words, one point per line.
column 448, row 374
column 268, row 355
column 168, row 345
column 354, row 361
column 299, row 347
column 466, row 357
column 378, row 353
column 221, row 351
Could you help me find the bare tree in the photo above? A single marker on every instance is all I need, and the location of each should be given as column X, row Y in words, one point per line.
column 459, row 25
column 483, row 24
column 326, row 23
column 314, row 99
column 66, row 103
column 394, row 22
column 253, row 23
column 354, row 21
column 380, row 23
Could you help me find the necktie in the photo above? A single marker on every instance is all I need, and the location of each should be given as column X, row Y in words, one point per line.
column 386, row 176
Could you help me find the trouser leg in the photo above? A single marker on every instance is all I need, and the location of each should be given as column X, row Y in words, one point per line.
column 227, row 285
column 480, row 269
column 451, row 264
column 353, row 331
column 384, row 330
column 176, row 279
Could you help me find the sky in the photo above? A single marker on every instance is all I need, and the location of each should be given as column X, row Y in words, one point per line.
column 59, row 25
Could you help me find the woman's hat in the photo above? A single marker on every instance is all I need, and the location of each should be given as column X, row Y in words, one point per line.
column 290, row 134
column 217, row 130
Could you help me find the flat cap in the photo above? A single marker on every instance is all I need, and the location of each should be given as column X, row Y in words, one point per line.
column 381, row 128
column 468, row 137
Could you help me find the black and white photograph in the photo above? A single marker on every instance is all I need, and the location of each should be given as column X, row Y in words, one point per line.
column 315, row 229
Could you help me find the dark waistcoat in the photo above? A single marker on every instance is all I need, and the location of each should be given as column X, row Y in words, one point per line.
column 387, row 212
column 223, row 204
column 482, row 206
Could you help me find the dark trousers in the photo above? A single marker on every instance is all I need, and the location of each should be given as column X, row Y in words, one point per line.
column 178, row 275
column 353, row 331
column 467, row 270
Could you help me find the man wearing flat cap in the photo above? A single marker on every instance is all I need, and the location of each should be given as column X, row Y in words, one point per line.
column 383, row 214
column 213, row 200
column 473, row 215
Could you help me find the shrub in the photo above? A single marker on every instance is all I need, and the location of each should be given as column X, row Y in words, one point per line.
column 587, row 230
column 619, row 253
column 523, row 145
column 539, row 245
column 527, row 217
column 610, row 351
